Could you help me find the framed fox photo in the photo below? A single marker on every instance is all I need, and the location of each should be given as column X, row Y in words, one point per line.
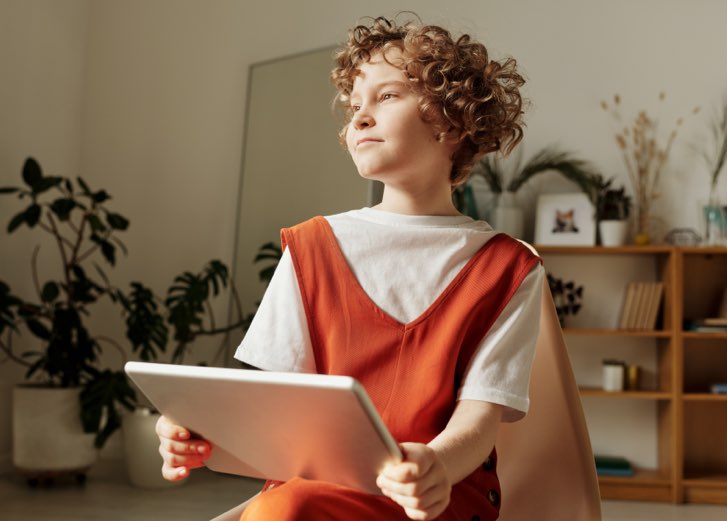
column 565, row 220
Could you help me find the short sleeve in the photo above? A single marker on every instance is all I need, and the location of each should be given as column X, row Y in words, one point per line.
column 499, row 371
column 278, row 338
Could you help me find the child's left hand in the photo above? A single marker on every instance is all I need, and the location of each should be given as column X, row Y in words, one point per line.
column 419, row 483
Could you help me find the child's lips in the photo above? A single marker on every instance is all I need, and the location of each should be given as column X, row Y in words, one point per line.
column 367, row 140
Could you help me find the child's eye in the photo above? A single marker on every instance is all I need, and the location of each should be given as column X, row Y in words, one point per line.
column 355, row 108
column 387, row 95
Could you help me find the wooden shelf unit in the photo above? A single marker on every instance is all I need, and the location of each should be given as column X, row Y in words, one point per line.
column 691, row 421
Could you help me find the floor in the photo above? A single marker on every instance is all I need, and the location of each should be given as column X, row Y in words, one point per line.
column 110, row 497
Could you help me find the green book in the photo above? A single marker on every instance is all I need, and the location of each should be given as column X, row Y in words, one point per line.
column 612, row 462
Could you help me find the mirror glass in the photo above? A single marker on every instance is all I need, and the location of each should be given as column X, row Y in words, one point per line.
column 293, row 166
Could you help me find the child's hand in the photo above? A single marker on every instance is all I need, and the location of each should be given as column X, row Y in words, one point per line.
column 180, row 451
column 419, row 483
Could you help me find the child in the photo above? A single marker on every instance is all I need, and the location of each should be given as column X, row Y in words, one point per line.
column 435, row 313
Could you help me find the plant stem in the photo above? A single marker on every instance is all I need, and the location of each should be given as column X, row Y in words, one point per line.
column 8, row 350
column 64, row 258
column 114, row 343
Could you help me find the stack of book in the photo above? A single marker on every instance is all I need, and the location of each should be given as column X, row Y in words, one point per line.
column 707, row 325
column 641, row 305
column 613, row 466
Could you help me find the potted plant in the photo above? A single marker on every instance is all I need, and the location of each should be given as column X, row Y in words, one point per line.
column 152, row 322
column 505, row 181
column 613, row 207
column 715, row 213
column 645, row 153
column 67, row 364
column 66, row 386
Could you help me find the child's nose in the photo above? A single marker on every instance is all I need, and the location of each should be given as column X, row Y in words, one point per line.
column 362, row 120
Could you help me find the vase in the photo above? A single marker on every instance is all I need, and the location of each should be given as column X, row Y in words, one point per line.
column 508, row 216
column 642, row 236
column 48, row 438
column 141, row 450
column 613, row 232
column 715, row 221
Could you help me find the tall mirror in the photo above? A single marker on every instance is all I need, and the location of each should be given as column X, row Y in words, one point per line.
column 293, row 166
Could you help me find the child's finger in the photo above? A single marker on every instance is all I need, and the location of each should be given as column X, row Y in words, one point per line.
column 174, row 473
column 418, row 488
column 201, row 448
column 167, row 429
column 403, row 472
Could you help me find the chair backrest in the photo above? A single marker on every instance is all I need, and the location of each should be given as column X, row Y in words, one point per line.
column 545, row 461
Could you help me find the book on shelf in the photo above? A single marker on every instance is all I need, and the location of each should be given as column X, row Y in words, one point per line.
column 706, row 325
column 641, row 305
column 718, row 388
column 613, row 466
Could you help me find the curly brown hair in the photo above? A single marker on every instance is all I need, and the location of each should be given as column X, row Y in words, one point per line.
column 460, row 89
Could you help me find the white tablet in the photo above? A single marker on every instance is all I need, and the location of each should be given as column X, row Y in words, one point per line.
column 275, row 425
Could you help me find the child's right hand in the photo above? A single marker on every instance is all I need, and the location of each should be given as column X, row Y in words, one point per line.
column 180, row 450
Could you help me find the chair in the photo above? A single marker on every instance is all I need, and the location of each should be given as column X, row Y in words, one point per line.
column 545, row 462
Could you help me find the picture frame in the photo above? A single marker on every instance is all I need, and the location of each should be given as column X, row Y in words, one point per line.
column 565, row 220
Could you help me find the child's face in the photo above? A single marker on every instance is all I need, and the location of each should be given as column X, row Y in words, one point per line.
column 387, row 138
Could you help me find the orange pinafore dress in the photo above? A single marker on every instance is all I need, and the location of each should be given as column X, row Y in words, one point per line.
column 411, row 371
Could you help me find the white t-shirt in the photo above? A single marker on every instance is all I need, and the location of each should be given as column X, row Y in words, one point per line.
column 404, row 263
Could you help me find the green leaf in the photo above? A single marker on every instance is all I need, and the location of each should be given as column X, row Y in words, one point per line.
column 116, row 221
column 46, row 183
column 16, row 221
column 38, row 329
column 32, row 174
column 101, row 398
column 145, row 326
column 50, row 292
column 62, row 207
column 100, row 196
column 108, row 250
column 96, row 224
column 32, row 215
column 84, row 186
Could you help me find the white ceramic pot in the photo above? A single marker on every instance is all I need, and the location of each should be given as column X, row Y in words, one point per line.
column 613, row 232
column 47, row 431
column 508, row 216
column 141, row 450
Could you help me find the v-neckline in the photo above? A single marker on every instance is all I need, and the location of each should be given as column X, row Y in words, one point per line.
column 356, row 285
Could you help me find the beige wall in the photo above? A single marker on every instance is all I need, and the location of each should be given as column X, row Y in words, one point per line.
column 146, row 99
column 43, row 47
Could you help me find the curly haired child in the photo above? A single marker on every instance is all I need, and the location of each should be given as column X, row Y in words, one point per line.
column 434, row 313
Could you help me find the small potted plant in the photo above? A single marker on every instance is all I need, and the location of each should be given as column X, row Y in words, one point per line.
column 613, row 207
column 566, row 297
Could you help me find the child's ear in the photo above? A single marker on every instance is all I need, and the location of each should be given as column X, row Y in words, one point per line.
column 451, row 137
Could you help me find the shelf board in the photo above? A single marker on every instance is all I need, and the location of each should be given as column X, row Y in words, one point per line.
column 635, row 395
column 584, row 331
column 706, row 479
column 705, row 397
column 641, row 477
column 704, row 334
column 704, row 250
column 604, row 250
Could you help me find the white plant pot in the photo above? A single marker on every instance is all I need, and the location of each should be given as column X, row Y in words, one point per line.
column 508, row 217
column 613, row 232
column 141, row 450
column 47, row 433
